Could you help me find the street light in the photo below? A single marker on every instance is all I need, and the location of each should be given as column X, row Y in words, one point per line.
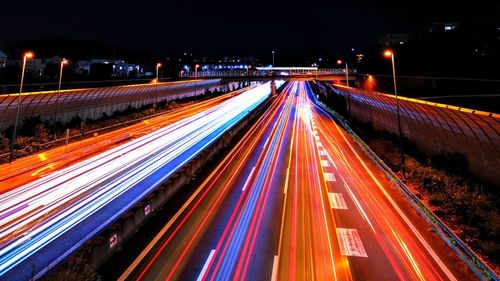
column 63, row 62
column 390, row 54
column 26, row 56
column 158, row 65
column 273, row 58
column 195, row 78
column 339, row 62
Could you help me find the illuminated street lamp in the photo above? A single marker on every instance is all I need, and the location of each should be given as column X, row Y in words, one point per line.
column 26, row 56
column 273, row 58
column 390, row 54
column 63, row 62
column 195, row 78
column 339, row 62
column 158, row 65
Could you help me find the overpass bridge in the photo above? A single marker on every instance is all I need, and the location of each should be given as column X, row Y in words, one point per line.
column 273, row 73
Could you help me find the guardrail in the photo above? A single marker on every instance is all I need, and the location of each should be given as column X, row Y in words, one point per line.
column 477, row 265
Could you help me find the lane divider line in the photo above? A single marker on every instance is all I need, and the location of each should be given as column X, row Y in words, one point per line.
column 329, row 177
column 350, row 243
column 337, row 201
column 274, row 275
column 248, row 179
column 205, row 266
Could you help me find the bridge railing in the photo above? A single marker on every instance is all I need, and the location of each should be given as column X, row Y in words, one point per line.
column 264, row 73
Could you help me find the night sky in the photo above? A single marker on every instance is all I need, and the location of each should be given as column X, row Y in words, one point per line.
column 227, row 27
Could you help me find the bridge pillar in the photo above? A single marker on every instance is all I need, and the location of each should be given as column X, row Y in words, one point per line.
column 273, row 88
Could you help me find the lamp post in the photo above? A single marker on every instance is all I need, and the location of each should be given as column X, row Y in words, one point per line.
column 26, row 56
column 158, row 65
column 339, row 62
column 195, row 78
column 273, row 58
column 63, row 62
column 390, row 54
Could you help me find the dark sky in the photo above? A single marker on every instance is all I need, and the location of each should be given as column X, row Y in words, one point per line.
column 227, row 27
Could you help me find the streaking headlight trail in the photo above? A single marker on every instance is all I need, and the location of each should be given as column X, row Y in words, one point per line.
column 98, row 190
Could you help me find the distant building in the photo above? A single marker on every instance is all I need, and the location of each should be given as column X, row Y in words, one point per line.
column 441, row 27
column 223, row 63
column 3, row 59
column 117, row 68
column 36, row 66
column 82, row 67
column 394, row 39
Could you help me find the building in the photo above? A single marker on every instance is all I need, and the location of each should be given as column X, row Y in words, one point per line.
column 35, row 67
column 118, row 68
column 394, row 39
column 3, row 59
column 440, row 27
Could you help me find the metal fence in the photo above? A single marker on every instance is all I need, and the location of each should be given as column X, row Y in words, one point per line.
column 263, row 73
column 435, row 128
column 92, row 103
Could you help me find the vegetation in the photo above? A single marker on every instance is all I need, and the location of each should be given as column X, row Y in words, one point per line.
column 469, row 207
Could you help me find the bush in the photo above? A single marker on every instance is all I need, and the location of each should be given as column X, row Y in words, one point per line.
column 41, row 133
column 453, row 163
column 463, row 204
column 29, row 124
column 4, row 143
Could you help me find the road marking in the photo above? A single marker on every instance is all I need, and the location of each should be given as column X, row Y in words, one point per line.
column 329, row 177
column 350, row 243
column 337, row 201
column 322, row 152
column 286, row 180
column 248, row 179
column 324, row 163
column 399, row 211
column 264, row 146
column 205, row 266
column 274, row 276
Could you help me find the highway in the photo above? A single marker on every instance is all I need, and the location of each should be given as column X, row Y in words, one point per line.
column 43, row 221
column 296, row 199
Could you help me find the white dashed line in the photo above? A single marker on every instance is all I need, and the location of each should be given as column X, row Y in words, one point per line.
column 350, row 243
column 337, row 201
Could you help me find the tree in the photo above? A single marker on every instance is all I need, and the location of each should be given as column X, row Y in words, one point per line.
column 41, row 133
column 4, row 142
